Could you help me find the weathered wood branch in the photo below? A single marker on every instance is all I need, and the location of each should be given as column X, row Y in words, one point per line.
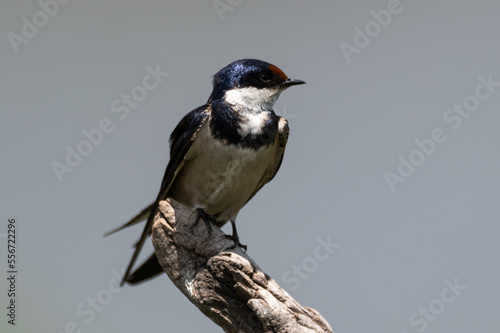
column 226, row 285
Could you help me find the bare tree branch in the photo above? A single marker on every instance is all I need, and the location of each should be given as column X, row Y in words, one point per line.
column 226, row 285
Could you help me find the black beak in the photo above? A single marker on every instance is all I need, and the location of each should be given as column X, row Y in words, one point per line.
column 291, row 82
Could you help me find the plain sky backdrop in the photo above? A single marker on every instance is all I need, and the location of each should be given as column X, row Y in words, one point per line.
column 400, row 90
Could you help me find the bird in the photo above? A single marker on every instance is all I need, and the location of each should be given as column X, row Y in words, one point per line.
column 221, row 153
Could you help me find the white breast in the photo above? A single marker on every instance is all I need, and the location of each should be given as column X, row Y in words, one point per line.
column 221, row 178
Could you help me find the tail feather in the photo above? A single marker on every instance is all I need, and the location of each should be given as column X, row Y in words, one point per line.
column 143, row 215
column 149, row 269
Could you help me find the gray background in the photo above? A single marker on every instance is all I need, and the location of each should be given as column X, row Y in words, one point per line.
column 349, row 125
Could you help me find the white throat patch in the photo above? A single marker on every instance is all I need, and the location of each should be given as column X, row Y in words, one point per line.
column 253, row 106
column 252, row 99
column 252, row 123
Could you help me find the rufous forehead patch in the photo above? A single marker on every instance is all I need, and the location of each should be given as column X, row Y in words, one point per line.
column 275, row 70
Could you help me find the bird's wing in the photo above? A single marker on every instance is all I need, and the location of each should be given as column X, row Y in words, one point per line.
column 281, row 140
column 181, row 140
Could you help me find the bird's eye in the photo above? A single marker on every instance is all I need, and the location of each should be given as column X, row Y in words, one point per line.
column 265, row 77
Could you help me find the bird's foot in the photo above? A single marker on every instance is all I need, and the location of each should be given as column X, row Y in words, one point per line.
column 234, row 237
column 236, row 241
column 207, row 218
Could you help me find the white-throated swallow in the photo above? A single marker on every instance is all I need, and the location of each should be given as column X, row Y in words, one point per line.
column 221, row 153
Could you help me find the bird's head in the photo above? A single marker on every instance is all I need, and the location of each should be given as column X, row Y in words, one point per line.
column 250, row 84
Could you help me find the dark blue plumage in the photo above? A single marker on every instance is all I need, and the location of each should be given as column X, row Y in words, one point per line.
column 238, row 74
